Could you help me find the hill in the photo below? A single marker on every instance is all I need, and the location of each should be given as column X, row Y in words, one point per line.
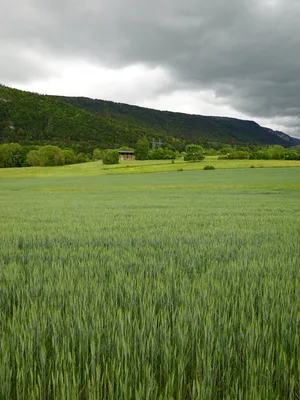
column 84, row 124
column 193, row 128
column 30, row 118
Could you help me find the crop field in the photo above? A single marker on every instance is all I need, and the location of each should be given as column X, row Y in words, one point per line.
column 175, row 285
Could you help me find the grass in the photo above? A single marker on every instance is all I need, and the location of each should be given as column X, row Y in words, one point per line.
column 136, row 167
column 182, row 285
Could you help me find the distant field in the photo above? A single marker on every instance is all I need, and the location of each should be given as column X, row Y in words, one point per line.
column 135, row 167
column 178, row 285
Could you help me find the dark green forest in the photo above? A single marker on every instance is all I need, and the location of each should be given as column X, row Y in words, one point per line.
column 205, row 130
column 83, row 124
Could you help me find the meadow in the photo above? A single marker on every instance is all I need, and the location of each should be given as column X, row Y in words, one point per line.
column 169, row 285
column 137, row 167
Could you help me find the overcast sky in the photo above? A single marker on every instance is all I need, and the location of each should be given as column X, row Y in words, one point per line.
column 238, row 58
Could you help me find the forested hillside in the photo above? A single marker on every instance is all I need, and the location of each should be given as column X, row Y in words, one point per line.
column 29, row 118
column 85, row 124
column 193, row 128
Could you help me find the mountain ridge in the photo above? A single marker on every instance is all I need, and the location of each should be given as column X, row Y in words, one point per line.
column 117, row 110
column 83, row 124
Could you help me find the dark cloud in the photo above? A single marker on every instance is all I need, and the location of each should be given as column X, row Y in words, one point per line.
column 246, row 51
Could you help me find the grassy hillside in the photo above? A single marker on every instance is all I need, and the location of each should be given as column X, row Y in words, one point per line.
column 193, row 128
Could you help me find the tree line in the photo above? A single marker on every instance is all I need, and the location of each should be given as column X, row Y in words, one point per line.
column 275, row 152
column 15, row 155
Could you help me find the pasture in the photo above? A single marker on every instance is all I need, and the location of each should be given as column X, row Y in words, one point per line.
column 171, row 285
column 97, row 168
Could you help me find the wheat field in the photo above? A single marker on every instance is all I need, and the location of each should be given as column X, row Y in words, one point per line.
column 180, row 285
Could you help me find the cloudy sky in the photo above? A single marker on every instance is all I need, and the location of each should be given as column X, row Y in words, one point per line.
column 238, row 58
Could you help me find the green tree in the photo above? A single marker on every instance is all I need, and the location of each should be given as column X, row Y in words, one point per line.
column 126, row 148
column 81, row 158
column 11, row 155
column 70, row 157
column 193, row 153
column 5, row 156
column 97, row 154
column 46, row 156
column 239, row 155
column 142, row 149
column 51, row 156
column 290, row 154
column 276, row 152
column 33, row 159
column 162, row 154
column 226, row 150
column 111, row 157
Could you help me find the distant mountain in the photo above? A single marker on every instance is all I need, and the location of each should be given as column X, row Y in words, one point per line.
column 193, row 128
column 84, row 124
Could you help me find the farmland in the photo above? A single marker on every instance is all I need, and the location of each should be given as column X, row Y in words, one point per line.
column 167, row 285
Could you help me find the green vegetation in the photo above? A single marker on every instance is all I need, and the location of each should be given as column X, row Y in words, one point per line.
column 276, row 152
column 97, row 154
column 84, row 124
column 111, row 157
column 193, row 153
column 142, row 149
column 47, row 156
column 162, row 154
column 141, row 167
column 160, row 286
column 205, row 130
column 208, row 167
column 32, row 119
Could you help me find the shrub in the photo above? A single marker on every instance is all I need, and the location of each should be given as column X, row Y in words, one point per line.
column 208, row 167
column 223, row 158
column 162, row 154
column 142, row 149
column 70, row 157
column 46, row 156
column 10, row 155
column 97, row 154
column 239, row 155
column 111, row 157
column 81, row 158
column 193, row 153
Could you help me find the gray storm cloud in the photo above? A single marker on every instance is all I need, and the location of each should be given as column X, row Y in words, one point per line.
column 246, row 51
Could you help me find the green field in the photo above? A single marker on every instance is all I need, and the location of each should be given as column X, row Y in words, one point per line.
column 169, row 285
column 137, row 167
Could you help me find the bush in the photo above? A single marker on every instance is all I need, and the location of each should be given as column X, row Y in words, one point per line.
column 10, row 155
column 46, row 156
column 97, row 154
column 193, row 153
column 111, row 157
column 142, row 149
column 70, row 157
column 239, row 155
column 208, row 167
column 81, row 158
column 223, row 158
column 162, row 154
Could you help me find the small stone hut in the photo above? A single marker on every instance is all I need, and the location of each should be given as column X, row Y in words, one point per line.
column 126, row 154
